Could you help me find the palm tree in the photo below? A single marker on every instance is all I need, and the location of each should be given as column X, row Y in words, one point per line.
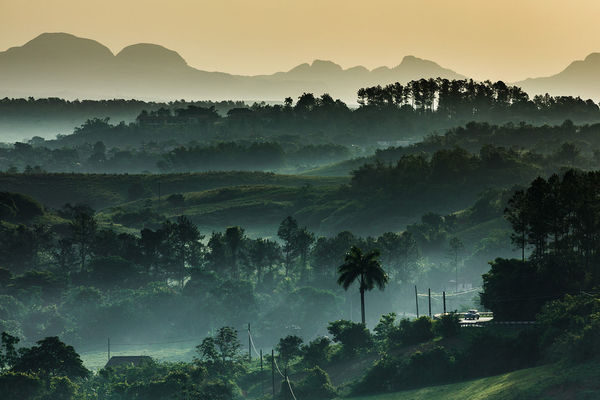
column 364, row 267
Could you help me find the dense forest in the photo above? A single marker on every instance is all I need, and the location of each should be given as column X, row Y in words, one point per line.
column 312, row 133
column 303, row 250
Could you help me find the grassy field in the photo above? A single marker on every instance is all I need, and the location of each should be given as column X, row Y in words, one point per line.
column 552, row 382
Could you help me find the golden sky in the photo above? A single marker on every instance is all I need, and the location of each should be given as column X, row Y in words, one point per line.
column 495, row 39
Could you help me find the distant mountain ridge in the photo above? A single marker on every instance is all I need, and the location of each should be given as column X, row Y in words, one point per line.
column 580, row 78
column 64, row 65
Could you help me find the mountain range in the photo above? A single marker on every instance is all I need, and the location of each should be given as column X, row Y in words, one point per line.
column 580, row 78
column 63, row 65
column 67, row 66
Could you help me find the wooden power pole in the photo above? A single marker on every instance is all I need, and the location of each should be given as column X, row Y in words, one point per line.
column 417, row 301
column 444, row 297
column 273, row 371
column 429, row 295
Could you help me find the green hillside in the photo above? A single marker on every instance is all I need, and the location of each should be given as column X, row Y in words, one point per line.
column 105, row 190
column 551, row 382
column 260, row 209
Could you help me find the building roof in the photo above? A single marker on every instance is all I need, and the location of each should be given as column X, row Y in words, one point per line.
column 116, row 361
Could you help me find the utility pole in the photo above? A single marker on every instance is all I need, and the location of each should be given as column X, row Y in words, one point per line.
column 108, row 349
column 456, row 269
column 273, row 371
column 417, row 301
column 429, row 295
column 249, row 345
column 285, row 378
column 444, row 297
column 262, row 387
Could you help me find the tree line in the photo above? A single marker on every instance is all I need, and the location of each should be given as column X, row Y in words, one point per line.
column 401, row 112
column 555, row 227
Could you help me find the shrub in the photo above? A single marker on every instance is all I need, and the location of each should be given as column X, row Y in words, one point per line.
column 448, row 325
column 382, row 377
column 413, row 332
column 316, row 352
column 429, row 367
column 352, row 335
column 315, row 386
column 20, row 386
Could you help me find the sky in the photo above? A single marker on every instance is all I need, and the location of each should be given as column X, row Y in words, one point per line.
column 483, row 39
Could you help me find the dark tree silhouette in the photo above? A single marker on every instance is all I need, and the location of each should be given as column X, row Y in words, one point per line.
column 365, row 268
column 287, row 232
column 184, row 238
column 49, row 358
column 83, row 228
column 234, row 237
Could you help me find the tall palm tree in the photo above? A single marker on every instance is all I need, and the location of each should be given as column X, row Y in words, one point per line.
column 364, row 267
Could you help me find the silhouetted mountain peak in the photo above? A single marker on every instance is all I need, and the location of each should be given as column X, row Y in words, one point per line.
column 148, row 54
column 318, row 67
column 300, row 68
column 51, row 45
column 325, row 66
column 593, row 58
column 412, row 61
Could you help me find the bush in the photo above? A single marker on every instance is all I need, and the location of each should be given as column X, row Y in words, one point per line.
column 430, row 367
column 382, row 377
column 570, row 328
column 316, row 352
column 413, row 332
column 448, row 325
column 421, row 369
column 488, row 353
column 20, row 386
column 352, row 335
column 315, row 386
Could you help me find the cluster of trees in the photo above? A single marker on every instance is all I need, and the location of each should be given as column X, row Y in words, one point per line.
column 407, row 354
column 392, row 112
column 256, row 156
column 168, row 157
column 582, row 141
column 53, row 110
column 45, row 371
column 555, row 227
column 416, row 182
column 564, row 330
column 468, row 99
column 77, row 272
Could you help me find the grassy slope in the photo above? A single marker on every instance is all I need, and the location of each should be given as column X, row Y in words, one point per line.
column 105, row 190
column 260, row 209
column 553, row 382
column 342, row 168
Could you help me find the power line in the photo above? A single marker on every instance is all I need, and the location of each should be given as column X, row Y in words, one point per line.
column 253, row 346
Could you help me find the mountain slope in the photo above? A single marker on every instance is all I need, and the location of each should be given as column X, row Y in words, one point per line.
column 580, row 78
column 60, row 64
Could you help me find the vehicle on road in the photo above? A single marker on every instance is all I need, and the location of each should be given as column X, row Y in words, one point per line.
column 472, row 314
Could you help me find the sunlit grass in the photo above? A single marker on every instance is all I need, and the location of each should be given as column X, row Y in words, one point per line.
column 556, row 381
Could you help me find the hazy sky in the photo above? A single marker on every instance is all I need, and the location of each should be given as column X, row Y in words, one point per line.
column 495, row 39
